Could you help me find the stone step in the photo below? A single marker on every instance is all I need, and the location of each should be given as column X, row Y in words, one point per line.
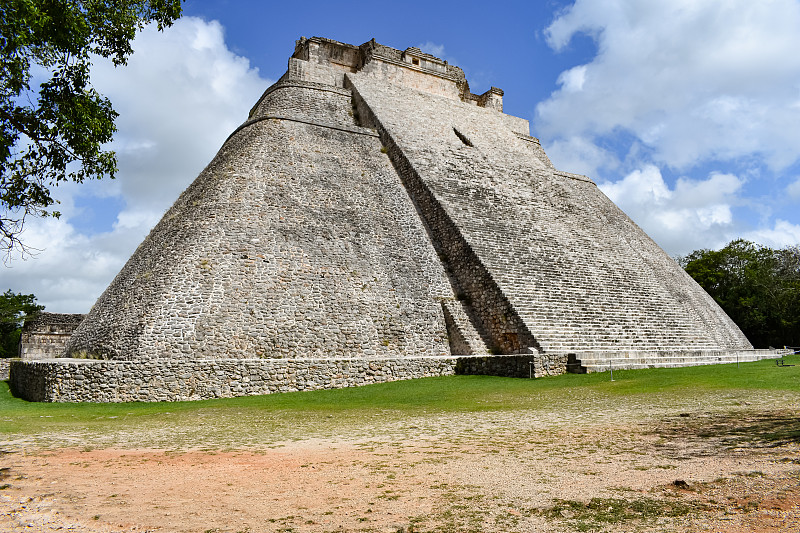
column 633, row 361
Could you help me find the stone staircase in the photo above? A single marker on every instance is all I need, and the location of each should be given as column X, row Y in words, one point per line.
column 539, row 259
column 587, row 362
column 569, row 300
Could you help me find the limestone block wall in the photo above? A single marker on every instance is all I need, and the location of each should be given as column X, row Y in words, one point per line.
column 411, row 78
column 306, row 100
column 298, row 240
column 327, row 52
column 514, row 366
column 536, row 147
column 517, row 125
column 428, row 74
column 47, row 335
column 314, row 72
column 461, row 332
column 76, row 380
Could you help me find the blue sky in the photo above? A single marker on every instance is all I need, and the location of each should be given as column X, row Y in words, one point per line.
column 685, row 112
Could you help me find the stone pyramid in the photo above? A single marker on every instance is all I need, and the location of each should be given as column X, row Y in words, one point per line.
column 374, row 220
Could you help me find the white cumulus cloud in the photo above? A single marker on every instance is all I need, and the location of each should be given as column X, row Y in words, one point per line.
column 689, row 86
column 781, row 235
column 693, row 79
column 433, row 49
column 580, row 155
column 179, row 97
column 572, row 80
column 793, row 190
column 693, row 214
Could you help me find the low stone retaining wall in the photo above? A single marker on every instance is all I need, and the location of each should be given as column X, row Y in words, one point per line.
column 92, row 380
column 88, row 380
column 513, row 366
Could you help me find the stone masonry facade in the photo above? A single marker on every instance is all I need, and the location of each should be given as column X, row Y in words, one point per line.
column 78, row 380
column 373, row 220
column 47, row 335
column 44, row 337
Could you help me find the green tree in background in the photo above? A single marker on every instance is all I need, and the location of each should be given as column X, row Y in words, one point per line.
column 15, row 309
column 757, row 286
column 54, row 132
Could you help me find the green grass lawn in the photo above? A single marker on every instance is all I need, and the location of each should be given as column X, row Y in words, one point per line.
column 454, row 394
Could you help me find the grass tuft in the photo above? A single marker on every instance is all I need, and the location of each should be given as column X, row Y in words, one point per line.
column 600, row 511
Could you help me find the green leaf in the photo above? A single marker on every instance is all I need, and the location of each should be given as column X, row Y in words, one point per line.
column 56, row 132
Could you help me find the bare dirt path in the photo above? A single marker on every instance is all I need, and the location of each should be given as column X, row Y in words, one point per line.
column 713, row 467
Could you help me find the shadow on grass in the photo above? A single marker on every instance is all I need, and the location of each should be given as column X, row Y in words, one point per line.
column 737, row 430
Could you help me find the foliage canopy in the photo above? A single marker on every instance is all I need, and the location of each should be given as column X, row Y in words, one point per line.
column 15, row 309
column 757, row 286
column 55, row 132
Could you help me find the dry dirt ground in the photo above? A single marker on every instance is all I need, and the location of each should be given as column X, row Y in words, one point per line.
column 720, row 464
